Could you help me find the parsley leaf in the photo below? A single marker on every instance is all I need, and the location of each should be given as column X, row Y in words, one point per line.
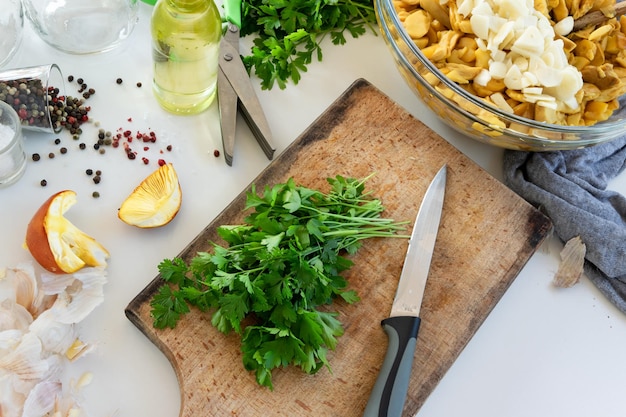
column 288, row 33
column 276, row 272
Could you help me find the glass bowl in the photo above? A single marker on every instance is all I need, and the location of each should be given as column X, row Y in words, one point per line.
column 474, row 117
column 11, row 27
column 82, row 26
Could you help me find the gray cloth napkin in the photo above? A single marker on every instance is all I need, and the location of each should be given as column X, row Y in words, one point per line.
column 570, row 188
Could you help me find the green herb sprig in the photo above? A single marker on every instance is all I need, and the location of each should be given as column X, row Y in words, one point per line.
column 278, row 269
column 289, row 32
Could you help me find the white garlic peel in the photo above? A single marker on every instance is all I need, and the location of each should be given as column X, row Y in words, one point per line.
column 38, row 339
column 523, row 50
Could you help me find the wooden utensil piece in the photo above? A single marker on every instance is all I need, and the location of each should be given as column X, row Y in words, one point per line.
column 598, row 17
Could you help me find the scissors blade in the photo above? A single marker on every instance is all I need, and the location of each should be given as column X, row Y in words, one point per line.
column 228, row 114
column 234, row 72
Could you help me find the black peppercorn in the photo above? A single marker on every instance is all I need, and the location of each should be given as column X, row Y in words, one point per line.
column 43, row 183
column 36, row 157
column 119, row 81
column 89, row 171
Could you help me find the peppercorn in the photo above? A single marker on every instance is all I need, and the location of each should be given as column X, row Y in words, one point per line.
column 43, row 183
column 70, row 78
column 139, row 84
column 63, row 150
column 216, row 153
column 95, row 194
column 89, row 171
column 98, row 172
column 96, row 179
column 119, row 81
column 36, row 157
column 82, row 146
column 80, row 81
column 51, row 155
column 57, row 141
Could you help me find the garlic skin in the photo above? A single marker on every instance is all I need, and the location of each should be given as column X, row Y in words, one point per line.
column 38, row 338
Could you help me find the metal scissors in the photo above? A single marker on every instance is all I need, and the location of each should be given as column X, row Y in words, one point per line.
column 235, row 92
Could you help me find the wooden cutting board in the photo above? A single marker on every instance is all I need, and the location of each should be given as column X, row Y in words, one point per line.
column 487, row 234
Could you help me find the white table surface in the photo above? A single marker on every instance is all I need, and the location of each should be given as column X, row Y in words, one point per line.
column 541, row 352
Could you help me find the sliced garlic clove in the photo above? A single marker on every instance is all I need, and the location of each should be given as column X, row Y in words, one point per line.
column 565, row 26
column 78, row 349
column 530, row 43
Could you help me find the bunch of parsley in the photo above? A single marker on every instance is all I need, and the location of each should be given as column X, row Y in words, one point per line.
column 289, row 32
column 277, row 270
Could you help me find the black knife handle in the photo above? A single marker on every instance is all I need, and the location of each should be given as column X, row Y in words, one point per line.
column 389, row 392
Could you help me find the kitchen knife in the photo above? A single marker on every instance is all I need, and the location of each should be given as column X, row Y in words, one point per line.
column 389, row 392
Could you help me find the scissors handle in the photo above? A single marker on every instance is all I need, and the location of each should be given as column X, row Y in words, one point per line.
column 232, row 12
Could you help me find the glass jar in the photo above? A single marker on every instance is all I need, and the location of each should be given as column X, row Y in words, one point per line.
column 11, row 28
column 37, row 94
column 82, row 26
column 186, row 37
column 12, row 155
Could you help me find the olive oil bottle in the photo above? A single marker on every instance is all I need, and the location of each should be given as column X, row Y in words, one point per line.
column 185, row 46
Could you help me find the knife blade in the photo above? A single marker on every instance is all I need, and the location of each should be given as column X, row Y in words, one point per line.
column 389, row 392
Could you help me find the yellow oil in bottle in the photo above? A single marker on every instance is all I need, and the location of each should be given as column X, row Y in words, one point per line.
column 185, row 41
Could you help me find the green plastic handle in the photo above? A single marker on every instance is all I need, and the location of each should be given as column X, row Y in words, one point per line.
column 232, row 12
